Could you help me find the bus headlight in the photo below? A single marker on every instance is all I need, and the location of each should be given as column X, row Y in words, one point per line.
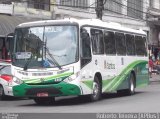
column 72, row 77
column 17, row 80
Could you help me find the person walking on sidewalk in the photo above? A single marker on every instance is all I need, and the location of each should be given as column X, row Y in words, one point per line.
column 150, row 66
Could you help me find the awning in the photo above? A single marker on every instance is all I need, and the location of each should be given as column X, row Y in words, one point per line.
column 8, row 23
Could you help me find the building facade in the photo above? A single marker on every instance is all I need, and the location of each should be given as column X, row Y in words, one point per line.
column 153, row 20
column 41, row 9
column 14, row 12
column 137, row 14
column 19, row 11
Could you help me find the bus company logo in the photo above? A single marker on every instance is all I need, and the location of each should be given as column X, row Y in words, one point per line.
column 110, row 66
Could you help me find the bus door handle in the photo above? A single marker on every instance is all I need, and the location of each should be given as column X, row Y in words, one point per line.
column 122, row 60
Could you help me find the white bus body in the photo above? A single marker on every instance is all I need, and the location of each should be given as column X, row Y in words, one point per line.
column 77, row 57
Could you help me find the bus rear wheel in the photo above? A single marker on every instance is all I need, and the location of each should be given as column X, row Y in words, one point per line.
column 96, row 94
column 131, row 85
column 44, row 100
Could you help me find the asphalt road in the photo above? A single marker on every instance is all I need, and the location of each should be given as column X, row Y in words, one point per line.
column 146, row 99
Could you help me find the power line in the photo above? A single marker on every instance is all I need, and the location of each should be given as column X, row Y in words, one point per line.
column 86, row 7
column 132, row 8
column 124, row 14
column 125, row 7
column 137, row 4
column 104, row 9
column 92, row 4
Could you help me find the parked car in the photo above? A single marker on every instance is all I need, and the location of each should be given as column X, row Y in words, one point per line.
column 5, row 80
column 6, row 48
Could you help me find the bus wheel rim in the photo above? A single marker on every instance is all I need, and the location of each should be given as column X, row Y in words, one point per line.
column 95, row 89
column 132, row 86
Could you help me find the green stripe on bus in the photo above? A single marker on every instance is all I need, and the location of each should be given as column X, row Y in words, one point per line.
column 113, row 85
column 48, row 78
column 88, row 83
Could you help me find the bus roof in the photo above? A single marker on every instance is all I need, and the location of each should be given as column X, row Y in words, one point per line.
column 82, row 22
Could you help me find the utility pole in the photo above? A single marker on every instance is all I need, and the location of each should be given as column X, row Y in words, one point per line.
column 99, row 8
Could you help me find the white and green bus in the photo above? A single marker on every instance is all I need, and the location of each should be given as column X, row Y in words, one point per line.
column 73, row 57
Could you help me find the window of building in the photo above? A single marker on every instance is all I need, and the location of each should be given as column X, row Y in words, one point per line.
column 6, row 1
column 140, row 43
column 120, row 43
column 113, row 6
column 39, row 4
column 97, row 41
column 135, row 8
column 109, row 42
column 83, row 4
column 130, row 44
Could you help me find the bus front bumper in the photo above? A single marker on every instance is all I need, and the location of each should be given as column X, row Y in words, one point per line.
column 49, row 90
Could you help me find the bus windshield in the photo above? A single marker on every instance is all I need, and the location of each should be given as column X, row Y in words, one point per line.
column 45, row 46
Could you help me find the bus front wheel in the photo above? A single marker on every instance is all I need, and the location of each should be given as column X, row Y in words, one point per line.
column 44, row 100
column 96, row 94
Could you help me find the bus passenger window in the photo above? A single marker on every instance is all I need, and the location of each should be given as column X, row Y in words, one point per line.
column 145, row 45
column 109, row 42
column 85, row 47
column 130, row 44
column 97, row 41
column 140, row 46
column 120, row 43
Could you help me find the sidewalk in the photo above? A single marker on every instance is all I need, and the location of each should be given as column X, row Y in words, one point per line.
column 155, row 78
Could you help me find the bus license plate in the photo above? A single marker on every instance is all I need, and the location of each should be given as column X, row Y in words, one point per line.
column 42, row 94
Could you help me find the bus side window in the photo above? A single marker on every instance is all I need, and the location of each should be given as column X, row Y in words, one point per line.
column 130, row 44
column 85, row 47
column 145, row 45
column 109, row 41
column 140, row 46
column 120, row 43
column 97, row 41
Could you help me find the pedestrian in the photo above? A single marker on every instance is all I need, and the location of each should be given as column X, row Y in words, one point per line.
column 155, row 53
column 150, row 66
column 157, row 65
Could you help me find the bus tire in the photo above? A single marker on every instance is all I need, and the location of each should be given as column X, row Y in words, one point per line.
column 44, row 100
column 2, row 95
column 96, row 94
column 131, row 85
column 131, row 90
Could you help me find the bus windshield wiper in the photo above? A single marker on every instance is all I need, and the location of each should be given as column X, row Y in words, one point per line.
column 53, row 59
